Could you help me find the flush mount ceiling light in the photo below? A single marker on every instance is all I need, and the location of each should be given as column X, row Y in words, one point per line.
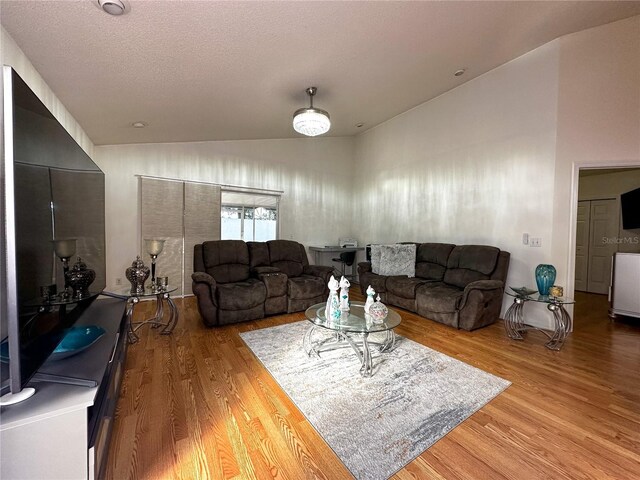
column 113, row 7
column 311, row 121
column 139, row 124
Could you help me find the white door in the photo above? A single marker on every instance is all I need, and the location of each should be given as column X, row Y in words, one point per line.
column 603, row 233
column 582, row 245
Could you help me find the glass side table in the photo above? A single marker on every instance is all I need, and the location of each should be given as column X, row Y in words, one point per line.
column 514, row 318
column 157, row 320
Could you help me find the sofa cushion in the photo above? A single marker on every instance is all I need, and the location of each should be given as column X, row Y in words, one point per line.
column 288, row 256
column 398, row 260
column 431, row 260
column 438, row 297
column 305, row 286
column 258, row 254
column 404, row 287
column 226, row 260
column 378, row 282
column 468, row 263
column 241, row 295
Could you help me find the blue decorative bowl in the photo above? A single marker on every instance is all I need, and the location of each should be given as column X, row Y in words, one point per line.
column 77, row 339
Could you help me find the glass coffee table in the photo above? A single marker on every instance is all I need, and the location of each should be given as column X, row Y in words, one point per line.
column 352, row 330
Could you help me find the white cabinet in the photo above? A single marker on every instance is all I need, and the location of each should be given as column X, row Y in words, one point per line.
column 625, row 286
column 63, row 431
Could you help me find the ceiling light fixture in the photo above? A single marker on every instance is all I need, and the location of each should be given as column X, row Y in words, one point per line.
column 138, row 124
column 311, row 121
column 457, row 73
column 113, row 7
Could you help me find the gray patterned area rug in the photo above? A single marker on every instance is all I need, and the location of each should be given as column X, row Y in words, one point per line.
column 375, row 425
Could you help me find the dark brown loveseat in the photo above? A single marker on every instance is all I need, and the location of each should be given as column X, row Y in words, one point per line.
column 236, row 281
column 461, row 286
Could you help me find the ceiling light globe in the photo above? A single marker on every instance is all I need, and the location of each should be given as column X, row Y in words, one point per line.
column 311, row 122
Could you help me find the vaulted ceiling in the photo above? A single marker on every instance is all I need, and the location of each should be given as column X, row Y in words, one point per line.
column 227, row 70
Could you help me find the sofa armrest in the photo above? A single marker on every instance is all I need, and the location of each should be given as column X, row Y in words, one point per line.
column 321, row 271
column 275, row 282
column 364, row 267
column 488, row 286
column 204, row 288
column 202, row 277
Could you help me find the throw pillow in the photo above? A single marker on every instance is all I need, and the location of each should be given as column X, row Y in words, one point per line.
column 375, row 258
column 398, row 260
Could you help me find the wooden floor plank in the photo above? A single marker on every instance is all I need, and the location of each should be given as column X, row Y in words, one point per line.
column 198, row 404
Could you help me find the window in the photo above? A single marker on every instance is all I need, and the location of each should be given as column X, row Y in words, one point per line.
column 249, row 216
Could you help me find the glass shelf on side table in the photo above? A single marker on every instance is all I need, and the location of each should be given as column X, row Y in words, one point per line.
column 160, row 295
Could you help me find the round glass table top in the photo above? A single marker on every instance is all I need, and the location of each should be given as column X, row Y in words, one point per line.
column 354, row 322
column 536, row 297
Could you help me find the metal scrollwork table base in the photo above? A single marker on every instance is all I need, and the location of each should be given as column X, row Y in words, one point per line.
column 514, row 318
column 351, row 331
column 157, row 320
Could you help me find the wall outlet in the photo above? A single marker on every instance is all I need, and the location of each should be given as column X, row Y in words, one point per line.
column 535, row 242
column 118, row 282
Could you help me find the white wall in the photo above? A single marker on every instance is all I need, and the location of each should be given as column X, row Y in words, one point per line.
column 598, row 120
column 11, row 54
column 315, row 175
column 475, row 165
column 499, row 155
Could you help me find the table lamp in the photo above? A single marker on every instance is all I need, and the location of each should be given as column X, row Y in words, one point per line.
column 65, row 249
column 154, row 247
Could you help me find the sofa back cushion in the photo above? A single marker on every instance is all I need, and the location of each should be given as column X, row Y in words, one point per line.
column 226, row 260
column 258, row 254
column 288, row 256
column 431, row 260
column 468, row 263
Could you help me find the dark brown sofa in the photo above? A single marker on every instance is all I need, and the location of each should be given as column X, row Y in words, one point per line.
column 236, row 281
column 460, row 286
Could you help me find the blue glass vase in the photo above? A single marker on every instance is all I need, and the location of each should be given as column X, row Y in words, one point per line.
column 545, row 276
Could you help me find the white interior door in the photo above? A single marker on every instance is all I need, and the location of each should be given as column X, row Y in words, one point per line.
column 603, row 231
column 582, row 245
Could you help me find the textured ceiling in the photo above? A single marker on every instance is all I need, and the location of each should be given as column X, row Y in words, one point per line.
column 208, row 70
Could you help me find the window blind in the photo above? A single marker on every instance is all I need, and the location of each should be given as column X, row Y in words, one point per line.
column 183, row 214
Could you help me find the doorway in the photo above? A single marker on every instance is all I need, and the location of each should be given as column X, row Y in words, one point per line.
column 599, row 232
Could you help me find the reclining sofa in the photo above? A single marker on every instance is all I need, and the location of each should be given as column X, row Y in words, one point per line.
column 461, row 286
column 236, row 281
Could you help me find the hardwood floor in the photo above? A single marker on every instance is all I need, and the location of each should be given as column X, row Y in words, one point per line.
column 198, row 405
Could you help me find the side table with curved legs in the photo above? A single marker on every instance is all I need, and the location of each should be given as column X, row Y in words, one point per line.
column 157, row 320
column 514, row 318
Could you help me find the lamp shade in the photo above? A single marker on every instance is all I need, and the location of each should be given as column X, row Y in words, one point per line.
column 311, row 121
column 64, row 248
column 154, row 246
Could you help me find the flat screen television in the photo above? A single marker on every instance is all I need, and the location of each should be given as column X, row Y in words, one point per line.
column 52, row 190
column 630, row 205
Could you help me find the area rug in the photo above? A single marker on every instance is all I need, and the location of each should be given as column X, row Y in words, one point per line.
column 375, row 425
